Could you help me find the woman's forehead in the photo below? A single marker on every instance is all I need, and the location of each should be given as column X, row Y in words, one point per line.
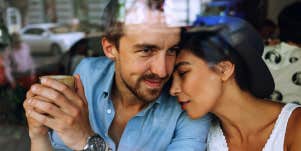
column 186, row 55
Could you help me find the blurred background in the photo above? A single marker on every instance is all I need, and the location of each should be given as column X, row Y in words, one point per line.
column 42, row 37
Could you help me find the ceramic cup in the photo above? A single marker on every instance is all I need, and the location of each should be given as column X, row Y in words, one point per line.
column 66, row 79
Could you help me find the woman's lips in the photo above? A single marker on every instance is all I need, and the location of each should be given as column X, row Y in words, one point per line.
column 184, row 104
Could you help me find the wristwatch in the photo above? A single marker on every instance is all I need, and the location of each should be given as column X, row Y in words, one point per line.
column 96, row 143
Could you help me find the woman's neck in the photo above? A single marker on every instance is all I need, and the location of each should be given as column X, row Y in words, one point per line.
column 241, row 115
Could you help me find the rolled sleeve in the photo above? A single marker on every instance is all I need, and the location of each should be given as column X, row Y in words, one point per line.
column 190, row 135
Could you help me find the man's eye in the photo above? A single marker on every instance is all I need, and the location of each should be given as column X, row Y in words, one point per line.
column 173, row 51
column 146, row 51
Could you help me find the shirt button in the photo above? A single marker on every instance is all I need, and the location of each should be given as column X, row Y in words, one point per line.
column 109, row 111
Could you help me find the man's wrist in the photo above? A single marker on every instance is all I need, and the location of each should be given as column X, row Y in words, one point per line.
column 41, row 136
column 41, row 142
column 84, row 139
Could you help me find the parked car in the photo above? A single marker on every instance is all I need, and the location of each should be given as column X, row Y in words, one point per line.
column 50, row 38
column 65, row 64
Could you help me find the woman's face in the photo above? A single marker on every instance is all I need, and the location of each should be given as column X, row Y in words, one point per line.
column 195, row 84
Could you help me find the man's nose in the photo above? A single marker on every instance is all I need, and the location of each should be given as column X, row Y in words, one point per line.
column 159, row 66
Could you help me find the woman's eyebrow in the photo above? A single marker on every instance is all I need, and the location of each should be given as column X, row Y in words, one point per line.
column 181, row 64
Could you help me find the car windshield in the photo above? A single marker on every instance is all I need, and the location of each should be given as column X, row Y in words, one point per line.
column 60, row 29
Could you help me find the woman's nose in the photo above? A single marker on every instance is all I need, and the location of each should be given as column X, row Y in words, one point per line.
column 175, row 88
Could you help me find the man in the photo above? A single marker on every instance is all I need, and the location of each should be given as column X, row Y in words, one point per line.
column 129, row 107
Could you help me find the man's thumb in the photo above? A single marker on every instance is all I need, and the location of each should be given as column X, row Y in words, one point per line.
column 79, row 87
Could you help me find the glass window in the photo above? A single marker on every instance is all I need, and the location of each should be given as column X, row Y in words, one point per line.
column 34, row 31
column 60, row 29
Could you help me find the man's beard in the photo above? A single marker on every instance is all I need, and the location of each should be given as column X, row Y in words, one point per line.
column 148, row 95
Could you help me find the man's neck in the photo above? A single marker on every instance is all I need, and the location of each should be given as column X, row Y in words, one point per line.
column 126, row 107
column 125, row 97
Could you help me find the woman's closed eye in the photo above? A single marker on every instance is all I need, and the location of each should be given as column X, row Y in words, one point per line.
column 182, row 73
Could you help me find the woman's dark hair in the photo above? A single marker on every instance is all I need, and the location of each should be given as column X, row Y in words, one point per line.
column 213, row 48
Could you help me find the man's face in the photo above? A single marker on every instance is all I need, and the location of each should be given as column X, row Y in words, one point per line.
column 145, row 59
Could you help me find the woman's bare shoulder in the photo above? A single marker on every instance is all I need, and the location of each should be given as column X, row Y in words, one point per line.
column 293, row 131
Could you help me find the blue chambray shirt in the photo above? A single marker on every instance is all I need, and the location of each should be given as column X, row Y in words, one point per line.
column 162, row 126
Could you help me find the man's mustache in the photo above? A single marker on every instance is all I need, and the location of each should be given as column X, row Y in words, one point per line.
column 152, row 76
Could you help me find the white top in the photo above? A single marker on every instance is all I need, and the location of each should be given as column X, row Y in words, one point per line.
column 217, row 141
column 284, row 62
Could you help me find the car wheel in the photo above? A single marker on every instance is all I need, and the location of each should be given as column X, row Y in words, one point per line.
column 55, row 50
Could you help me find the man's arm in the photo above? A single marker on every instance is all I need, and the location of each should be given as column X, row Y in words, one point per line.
column 190, row 135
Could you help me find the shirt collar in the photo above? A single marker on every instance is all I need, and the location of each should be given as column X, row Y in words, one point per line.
column 110, row 80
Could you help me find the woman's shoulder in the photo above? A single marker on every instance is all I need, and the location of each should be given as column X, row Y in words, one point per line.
column 293, row 131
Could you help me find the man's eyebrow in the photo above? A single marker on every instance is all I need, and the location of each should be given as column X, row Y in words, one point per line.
column 144, row 45
column 177, row 47
column 181, row 64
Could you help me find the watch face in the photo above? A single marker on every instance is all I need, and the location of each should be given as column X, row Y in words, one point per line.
column 96, row 143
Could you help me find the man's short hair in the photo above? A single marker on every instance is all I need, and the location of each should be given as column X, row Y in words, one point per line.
column 113, row 27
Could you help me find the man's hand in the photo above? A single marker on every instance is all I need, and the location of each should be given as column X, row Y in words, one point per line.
column 62, row 110
column 36, row 129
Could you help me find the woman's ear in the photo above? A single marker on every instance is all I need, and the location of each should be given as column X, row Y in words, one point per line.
column 109, row 48
column 225, row 69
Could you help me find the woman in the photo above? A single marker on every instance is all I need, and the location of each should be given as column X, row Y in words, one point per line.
column 19, row 64
column 220, row 70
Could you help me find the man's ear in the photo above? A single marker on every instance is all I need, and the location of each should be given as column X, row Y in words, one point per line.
column 109, row 48
column 225, row 69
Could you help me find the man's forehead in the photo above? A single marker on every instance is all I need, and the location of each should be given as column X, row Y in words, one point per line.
column 143, row 16
column 161, row 37
column 150, row 28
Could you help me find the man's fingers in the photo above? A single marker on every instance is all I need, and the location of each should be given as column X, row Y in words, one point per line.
column 53, row 123
column 42, row 118
column 62, row 88
column 51, row 95
column 46, row 108
column 29, row 94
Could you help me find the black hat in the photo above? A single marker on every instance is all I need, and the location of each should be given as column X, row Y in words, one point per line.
column 241, row 36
